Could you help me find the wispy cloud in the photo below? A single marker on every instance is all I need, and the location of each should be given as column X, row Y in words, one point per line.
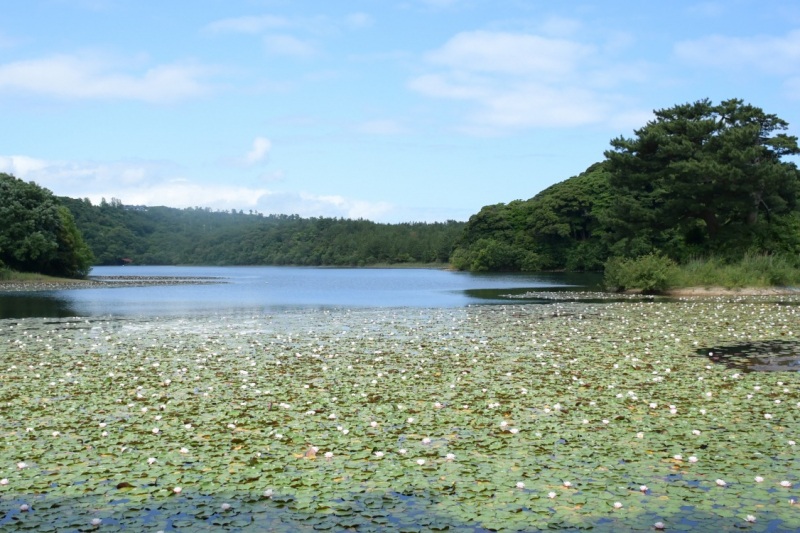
column 769, row 54
column 309, row 205
column 521, row 80
column 86, row 76
column 259, row 151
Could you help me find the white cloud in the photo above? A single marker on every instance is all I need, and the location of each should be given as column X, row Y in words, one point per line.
column 514, row 80
column 155, row 183
column 769, row 54
column 260, row 150
column 511, row 53
column 248, row 24
column 310, row 205
column 288, row 45
column 91, row 77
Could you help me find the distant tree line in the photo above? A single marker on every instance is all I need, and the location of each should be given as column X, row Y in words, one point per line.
column 700, row 180
column 117, row 233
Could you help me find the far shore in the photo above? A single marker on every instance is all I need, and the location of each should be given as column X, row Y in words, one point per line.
column 681, row 292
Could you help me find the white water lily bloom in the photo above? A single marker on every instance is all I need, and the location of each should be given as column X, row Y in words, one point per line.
column 659, row 525
column 268, row 493
column 410, row 420
column 402, row 451
column 96, row 521
column 693, row 459
column 155, row 431
column 678, row 457
column 759, row 479
column 721, row 482
column 151, row 460
column 643, row 488
column 450, row 456
column 514, row 430
column 551, row 495
column 328, row 455
column 767, row 416
column 426, row 440
column 22, row 465
column 695, row 432
column 750, row 518
column 420, row 462
column 373, row 424
column 378, row 454
column 617, row 505
column 24, row 507
column 225, row 506
column 786, row 484
column 520, row 485
column 503, row 424
column 177, row 490
column 567, row 484
column 184, row 450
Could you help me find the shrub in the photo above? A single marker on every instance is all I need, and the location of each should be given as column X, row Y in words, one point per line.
column 648, row 273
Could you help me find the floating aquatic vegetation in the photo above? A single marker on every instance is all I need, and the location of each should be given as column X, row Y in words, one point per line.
column 511, row 418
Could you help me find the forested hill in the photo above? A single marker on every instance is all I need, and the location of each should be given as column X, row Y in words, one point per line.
column 200, row 236
column 701, row 180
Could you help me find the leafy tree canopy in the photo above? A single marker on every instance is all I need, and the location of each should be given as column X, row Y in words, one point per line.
column 37, row 233
column 702, row 178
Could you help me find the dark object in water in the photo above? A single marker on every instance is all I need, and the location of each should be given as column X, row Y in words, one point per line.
column 764, row 356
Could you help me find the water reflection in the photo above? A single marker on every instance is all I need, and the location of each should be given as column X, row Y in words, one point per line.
column 31, row 305
column 766, row 356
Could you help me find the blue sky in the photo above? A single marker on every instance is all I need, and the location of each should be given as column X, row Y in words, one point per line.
column 390, row 110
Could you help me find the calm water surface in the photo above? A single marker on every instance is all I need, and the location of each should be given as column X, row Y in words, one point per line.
column 260, row 289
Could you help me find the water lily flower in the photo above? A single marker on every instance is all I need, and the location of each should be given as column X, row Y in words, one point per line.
column 155, row 431
column 617, row 505
column 520, row 485
column 151, row 460
column 373, row 424
column 402, row 451
column 328, row 455
column 450, row 456
column 759, row 479
column 420, row 462
column 24, row 507
column 721, row 482
column 225, row 506
column 567, row 484
column 786, row 484
column 184, row 450
column 693, row 459
column 410, row 420
column 640, row 435
column 268, row 493
column 379, row 454
column 4, row 481
column 767, row 416
column 503, row 424
column 643, row 488
column 96, row 521
column 750, row 518
column 426, row 440
column 514, row 430
column 678, row 457
column 22, row 465
column 551, row 495
column 659, row 525
column 177, row 490
column 695, row 432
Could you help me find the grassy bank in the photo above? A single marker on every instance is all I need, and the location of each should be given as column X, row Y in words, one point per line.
column 656, row 273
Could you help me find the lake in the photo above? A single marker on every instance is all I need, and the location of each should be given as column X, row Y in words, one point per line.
column 270, row 289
